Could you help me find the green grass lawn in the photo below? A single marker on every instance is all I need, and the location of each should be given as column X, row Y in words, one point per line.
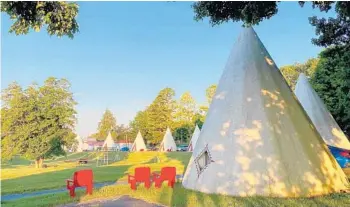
column 25, row 178
column 21, row 177
column 180, row 196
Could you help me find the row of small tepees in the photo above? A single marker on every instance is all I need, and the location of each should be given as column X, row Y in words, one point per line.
column 84, row 178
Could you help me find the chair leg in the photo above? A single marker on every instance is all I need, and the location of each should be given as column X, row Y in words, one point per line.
column 89, row 189
column 72, row 192
column 147, row 184
column 133, row 185
column 158, row 184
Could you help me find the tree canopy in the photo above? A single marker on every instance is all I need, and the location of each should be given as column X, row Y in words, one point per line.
column 331, row 81
column 37, row 121
column 160, row 114
column 59, row 17
column 107, row 124
column 180, row 115
column 291, row 72
column 334, row 31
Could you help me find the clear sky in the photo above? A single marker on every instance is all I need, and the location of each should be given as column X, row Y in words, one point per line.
column 126, row 52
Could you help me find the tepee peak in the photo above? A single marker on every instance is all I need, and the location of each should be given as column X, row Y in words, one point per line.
column 109, row 142
column 139, row 143
column 168, row 143
column 194, row 139
column 319, row 114
column 257, row 139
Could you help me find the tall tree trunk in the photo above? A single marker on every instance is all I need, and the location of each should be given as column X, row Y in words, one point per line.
column 39, row 162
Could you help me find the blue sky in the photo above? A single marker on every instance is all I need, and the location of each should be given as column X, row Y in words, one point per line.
column 127, row 51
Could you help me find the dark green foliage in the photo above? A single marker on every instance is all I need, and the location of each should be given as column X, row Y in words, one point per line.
column 198, row 120
column 332, row 83
column 58, row 17
column 334, row 31
column 183, row 134
column 56, row 148
column 249, row 12
column 330, row 32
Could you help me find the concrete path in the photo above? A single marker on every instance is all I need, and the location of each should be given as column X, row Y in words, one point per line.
column 123, row 201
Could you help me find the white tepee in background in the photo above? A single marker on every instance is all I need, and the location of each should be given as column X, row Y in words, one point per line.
column 257, row 139
column 109, row 142
column 194, row 139
column 139, row 143
column 80, row 144
column 319, row 115
column 168, row 143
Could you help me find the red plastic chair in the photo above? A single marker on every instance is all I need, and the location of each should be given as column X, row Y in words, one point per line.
column 142, row 175
column 167, row 173
column 82, row 178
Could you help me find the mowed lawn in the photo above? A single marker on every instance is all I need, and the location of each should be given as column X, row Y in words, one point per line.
column 24, row 178
column 180, row 197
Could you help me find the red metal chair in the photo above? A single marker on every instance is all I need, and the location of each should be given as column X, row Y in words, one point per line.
column 142, row 175
column 167, row 173
column 81, row 178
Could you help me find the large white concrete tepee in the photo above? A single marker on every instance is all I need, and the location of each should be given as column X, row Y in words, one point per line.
column 257, row 139
column 194, row 139
column 80, row 144
column 168, row 143
column 139, row 143
column 109, row 142
column 319, row 115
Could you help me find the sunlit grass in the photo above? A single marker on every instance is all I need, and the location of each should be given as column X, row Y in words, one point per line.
column 180, row 196
column 24, row 178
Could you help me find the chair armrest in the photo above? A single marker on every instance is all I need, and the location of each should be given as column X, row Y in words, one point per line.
column 131, row 177
column 155, row 176
column 68, row 181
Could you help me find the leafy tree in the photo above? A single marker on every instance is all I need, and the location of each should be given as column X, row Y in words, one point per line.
column 209, row 93
column 334, row 31
column 185, row 110
column 291, row 72
column 140, row 123
column 38, row 121
column 107, row 124
column 330, row 32
column 183, row 134
column 222, row 11
column 124, row 133
column 58, row 17
column 159, row 115
column 198, row 119
column 332, row 83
